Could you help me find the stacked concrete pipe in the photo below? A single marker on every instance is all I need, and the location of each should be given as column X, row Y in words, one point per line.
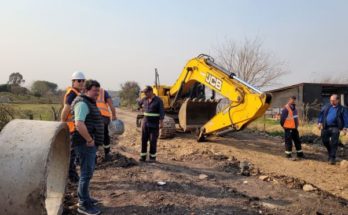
column 34, row 160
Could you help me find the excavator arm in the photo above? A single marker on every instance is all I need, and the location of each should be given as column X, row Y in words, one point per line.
column 247, row 103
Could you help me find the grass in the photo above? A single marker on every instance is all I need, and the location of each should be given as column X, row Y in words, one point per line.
column 273, row 128
column 37, row 111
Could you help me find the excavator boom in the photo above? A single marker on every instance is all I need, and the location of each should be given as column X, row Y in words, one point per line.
column 247, row 103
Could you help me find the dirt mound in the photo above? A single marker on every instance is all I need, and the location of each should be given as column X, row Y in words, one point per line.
column 230, row 167
column 235, row 166
column 218, row 157
column 115, row 160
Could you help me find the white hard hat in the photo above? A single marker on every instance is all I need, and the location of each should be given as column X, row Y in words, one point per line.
column 78, row 76
column 116, row 127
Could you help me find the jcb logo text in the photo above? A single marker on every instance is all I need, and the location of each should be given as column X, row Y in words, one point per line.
column 213, row 81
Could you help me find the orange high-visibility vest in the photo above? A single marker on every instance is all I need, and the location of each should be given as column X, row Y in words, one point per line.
column 290, row 120
column 69, row 119
column 102, row 105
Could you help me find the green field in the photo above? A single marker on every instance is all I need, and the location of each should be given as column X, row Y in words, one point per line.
column 37, row 111
column 7, row 97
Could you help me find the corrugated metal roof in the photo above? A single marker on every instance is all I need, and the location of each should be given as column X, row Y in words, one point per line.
column 304, row 83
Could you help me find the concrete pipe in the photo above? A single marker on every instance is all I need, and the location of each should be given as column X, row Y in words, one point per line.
column 34, row 160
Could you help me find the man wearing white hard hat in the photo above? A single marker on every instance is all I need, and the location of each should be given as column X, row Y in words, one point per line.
column 78, row 79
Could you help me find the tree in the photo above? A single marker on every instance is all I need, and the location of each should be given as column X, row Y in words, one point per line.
column 42, row 88
column 129, row 93
column 249, row 62
column 15, row 79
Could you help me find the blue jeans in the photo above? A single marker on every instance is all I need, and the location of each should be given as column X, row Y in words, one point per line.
column 86, row 157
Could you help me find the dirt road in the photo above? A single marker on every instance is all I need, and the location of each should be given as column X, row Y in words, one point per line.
column 245, row 173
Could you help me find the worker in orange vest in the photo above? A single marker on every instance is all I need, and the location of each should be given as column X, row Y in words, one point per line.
column 78, row 79
column 289, row 121
column 107, row 110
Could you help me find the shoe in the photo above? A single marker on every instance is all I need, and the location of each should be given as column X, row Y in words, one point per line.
column 288, row 155
column 332, row 161
column 300, row 155
column 94, row 201
column 152, row 160
column 88, row 210
column 142, row 158
column 107, row 157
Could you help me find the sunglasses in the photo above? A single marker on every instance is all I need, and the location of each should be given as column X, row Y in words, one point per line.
column 80, row 80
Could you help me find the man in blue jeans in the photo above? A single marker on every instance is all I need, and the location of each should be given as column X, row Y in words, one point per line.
column 88, row 135
column 332, row 119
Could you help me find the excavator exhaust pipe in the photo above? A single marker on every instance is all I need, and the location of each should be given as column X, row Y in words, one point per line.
column 34, row 158
column 193, row 114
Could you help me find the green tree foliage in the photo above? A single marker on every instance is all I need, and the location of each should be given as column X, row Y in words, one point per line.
column 43, row 88
column 15, row 79
column 129, row 93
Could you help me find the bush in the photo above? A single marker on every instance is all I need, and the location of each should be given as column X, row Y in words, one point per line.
column 43, row 88
column 6, row 114
column 129, row 93
column 4, row 88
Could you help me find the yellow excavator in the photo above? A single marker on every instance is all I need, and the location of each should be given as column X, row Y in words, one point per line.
column 187, row 104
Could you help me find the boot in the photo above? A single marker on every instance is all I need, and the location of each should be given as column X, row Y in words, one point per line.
column 152, row 159
column 107, row 155
column 300, row 155
column 332, row 161
column 142, row 158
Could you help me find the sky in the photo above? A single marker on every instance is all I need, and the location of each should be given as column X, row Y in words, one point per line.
column 116, row 41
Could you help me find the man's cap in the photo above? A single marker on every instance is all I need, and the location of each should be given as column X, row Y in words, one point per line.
column 293, row 97
column 147, row 89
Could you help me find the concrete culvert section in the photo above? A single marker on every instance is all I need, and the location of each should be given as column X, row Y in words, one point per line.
column 34, row 160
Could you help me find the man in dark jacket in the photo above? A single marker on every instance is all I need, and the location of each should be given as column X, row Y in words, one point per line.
column 152, row 122
column 332, row 119
column 289, row 121
column 88, row 135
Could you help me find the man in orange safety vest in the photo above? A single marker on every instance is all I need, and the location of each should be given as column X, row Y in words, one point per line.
column 289, row 121
column 78, row 79
column 108, row 112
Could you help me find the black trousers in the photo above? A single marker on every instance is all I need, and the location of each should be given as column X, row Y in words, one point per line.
column 106, row 144
column 72, row 164
column 330, row 137
column 149, row 134
column 292, row 135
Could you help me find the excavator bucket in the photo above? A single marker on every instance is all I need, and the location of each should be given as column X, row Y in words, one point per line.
column 195, row 113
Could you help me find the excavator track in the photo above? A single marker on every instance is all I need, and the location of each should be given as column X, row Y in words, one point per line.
column 168, row 130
